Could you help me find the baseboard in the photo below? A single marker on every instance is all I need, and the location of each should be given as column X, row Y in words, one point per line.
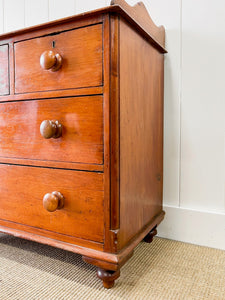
column 192, row 226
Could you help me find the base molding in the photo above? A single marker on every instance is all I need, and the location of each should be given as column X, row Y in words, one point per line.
column 193, row 226
column 108, row 264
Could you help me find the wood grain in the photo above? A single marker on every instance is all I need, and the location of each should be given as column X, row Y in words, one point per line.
column 82, row 126
column 54, row 239
column 108, row 277
column 106, row 113
column 141, row 132
column 139, row 13
column 23, row 189
column 50, row 94
column 94, row 188
column 81, row 52
column 88, row 248
column 48, row 28
column 114, row 122
column 52, row 164
column 4, row 70
column 80, row 20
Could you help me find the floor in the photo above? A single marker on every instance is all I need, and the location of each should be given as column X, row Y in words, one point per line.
column 164, row 270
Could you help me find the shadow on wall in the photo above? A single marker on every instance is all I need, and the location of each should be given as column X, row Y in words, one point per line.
column 171, row 119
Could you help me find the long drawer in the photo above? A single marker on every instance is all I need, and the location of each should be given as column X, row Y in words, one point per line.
column 82, row 130
column 23, row 189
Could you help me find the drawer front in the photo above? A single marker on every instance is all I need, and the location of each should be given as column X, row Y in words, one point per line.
column 4, row 70
column 82, row 130
column 23, row 189
column 81, row 51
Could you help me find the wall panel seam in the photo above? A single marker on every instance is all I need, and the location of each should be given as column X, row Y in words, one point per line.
column 48, row 9
column 24, row 12
column 180, row 108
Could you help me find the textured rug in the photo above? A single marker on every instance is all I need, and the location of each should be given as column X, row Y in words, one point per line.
column 164, row 270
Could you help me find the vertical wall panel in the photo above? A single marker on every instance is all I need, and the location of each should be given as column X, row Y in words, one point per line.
column 13, row 15
column 168, row 13
column 36, row 12
column 60, row 9
column 85, row 5
column 1, row 17
column 203, row 105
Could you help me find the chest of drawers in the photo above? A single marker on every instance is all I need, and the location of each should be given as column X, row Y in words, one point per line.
column 81, row 134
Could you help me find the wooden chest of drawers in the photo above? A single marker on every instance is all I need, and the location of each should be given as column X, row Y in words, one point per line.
column 81, row 134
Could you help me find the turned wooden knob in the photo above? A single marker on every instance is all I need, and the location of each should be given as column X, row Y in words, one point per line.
column 50, row 61
column 53, row 201
column 51, row 129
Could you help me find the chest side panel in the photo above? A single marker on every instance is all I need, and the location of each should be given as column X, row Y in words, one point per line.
column 141, row 132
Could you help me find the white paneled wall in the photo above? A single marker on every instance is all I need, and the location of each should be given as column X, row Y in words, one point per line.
column 36, row 12
column 203, row 105
column 88, row 5
column 194, row 130
column 1, row 16
column 60, row 9
column 16, row 14
column 172, row 93
column 13, row 14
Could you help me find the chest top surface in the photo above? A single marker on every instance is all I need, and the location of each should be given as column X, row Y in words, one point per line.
column 137, row 15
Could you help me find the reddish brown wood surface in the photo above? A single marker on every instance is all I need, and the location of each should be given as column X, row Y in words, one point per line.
column 51, row 60
column 108, row 97
column 141, row 132
column 23, row 189
column 101, row 263
column 4, row 70
column 53, row 94
column 53, row 201
column 82, row 126
column 81, row 52
column 51, row 129
column 54, row 239
column 139, row 13
column 53, row 164
column 52, row 27
column 108, row 277
column 106, row 130
column 100, row 258
column 149, row 237
column 114, row 121
column 88, row 18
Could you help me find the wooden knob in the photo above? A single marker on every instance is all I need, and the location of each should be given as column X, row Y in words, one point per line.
column 53, row 201
column 50, row 61
column 51, row 129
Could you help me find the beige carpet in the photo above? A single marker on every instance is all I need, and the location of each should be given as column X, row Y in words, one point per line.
column 162, row 270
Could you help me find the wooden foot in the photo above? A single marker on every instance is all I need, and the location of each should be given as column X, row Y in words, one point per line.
column 108, row 277
column 149, row 237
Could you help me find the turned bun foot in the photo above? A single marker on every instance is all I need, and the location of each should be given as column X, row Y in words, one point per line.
column 149, row 237
column 108, row 277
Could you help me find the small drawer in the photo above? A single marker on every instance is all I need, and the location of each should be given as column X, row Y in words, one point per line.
column 4, row 70
column 23, row 190
column 81, row 120
column 79, row 51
